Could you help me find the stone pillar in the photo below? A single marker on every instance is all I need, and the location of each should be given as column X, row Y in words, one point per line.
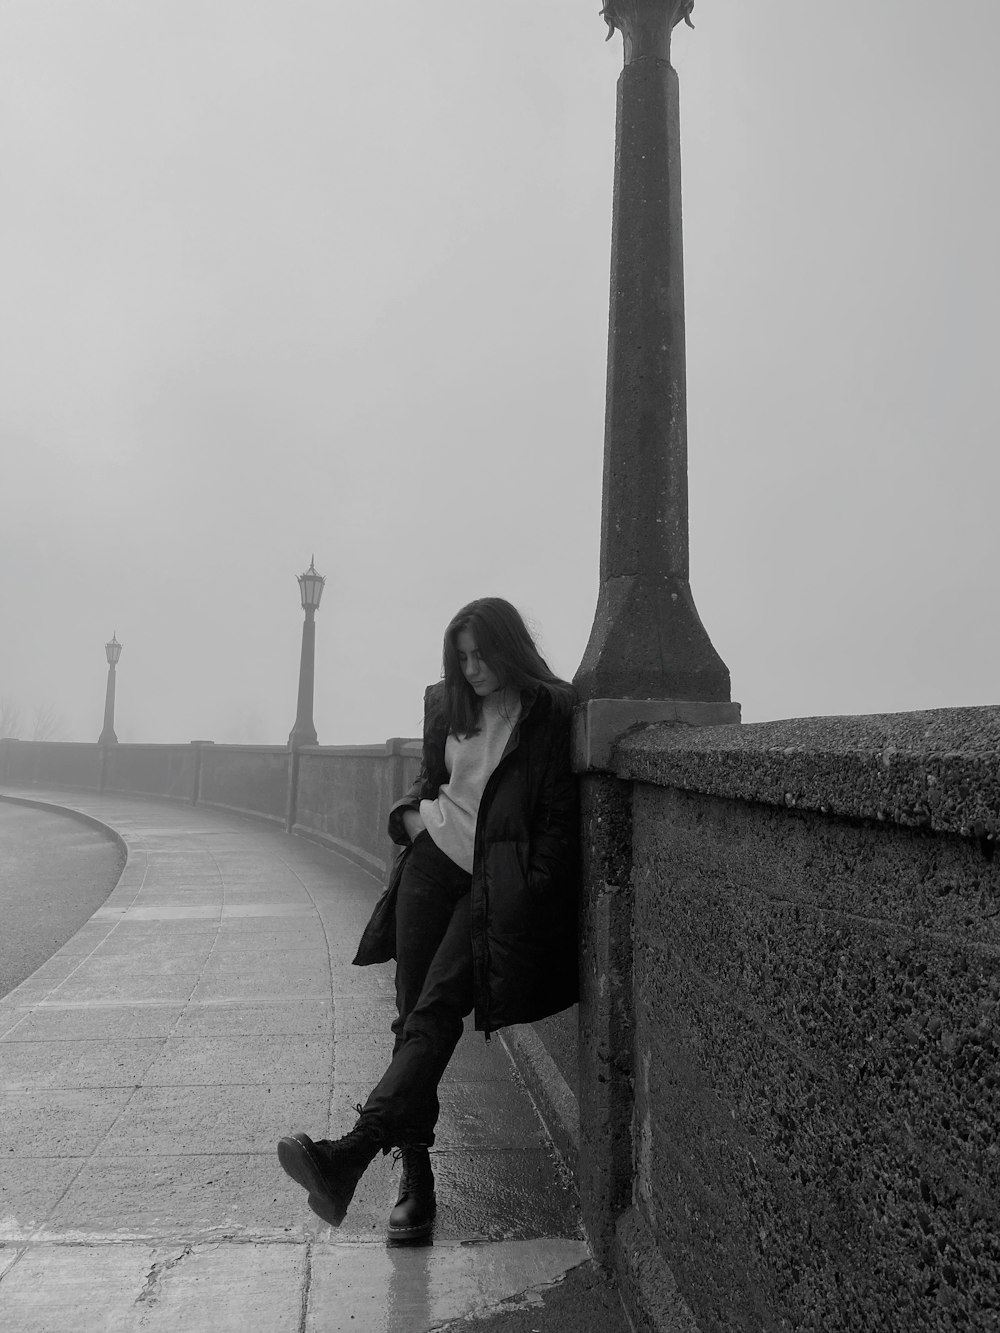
column 604, row 1163
column 292, row 790
column 196, row 775
column 647, row 642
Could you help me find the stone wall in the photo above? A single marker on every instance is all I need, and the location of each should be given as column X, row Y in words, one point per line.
column 810, row 1004
column 150, row 770
column 60, row 762
column 250, row 780
column 344, row 796
column 339, row 795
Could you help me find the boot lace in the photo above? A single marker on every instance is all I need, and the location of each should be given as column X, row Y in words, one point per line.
column 417, row 1173
column 365, row 1133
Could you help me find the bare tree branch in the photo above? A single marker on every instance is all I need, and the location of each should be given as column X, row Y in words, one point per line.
column 47, row 724
column 10, row 718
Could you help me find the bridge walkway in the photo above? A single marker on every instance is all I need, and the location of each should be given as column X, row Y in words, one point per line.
column 149, row 1067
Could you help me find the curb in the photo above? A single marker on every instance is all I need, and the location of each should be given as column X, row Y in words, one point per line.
column 554, row 1100
column 70, row 813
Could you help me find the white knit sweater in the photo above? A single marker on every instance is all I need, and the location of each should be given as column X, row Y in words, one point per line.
column 451, row 817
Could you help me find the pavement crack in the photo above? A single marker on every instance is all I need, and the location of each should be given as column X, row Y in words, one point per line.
column 307, row 1277
column 150, row 1293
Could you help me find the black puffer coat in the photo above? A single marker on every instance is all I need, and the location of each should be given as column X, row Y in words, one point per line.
column 525, row 877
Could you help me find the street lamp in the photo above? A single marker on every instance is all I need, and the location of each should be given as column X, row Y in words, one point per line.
column 648, row 641
column 112, row 651
column 311, row 590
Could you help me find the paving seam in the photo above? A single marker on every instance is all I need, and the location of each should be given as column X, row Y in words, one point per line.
column 306, row 1288
column 333, row 1002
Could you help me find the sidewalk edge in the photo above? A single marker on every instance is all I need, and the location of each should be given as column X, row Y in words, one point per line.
column 554, row 1100
column 68, row 810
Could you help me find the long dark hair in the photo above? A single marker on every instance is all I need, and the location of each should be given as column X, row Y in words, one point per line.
column 506, row 645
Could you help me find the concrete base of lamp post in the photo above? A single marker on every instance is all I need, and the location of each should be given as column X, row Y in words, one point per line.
column 648, row 642
column 302, row 736
column 599, row 723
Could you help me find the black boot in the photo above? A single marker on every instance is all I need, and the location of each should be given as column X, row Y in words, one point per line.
column 413, row 1215
column 330, row 1171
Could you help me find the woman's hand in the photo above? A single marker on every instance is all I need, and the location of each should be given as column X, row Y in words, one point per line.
column 413, row 822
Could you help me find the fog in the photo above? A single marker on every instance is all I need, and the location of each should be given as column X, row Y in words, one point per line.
column 293, row 278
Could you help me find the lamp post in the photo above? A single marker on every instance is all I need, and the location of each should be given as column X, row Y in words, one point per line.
column 648, row 641
column 112, row 650
column 311, row 590
column 649, row 658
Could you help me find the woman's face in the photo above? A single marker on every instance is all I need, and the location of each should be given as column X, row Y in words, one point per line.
column 474, row 669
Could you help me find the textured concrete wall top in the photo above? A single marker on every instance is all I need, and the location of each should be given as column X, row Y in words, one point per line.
column 938, row 769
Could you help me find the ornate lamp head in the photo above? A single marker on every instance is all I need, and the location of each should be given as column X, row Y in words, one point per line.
column 646, row 25
column 311, row 586
column 113, row 650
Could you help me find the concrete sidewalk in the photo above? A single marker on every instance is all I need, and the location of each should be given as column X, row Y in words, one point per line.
column 150, row 1066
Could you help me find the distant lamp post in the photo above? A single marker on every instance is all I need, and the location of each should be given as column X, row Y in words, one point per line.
column 113, row 651
column 311, row 589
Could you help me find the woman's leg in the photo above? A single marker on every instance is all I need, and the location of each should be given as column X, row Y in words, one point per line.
column 434, row 965
column 431, row 885
column 405, row 1104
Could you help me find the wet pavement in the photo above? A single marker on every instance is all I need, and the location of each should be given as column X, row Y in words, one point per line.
column 148, row 1068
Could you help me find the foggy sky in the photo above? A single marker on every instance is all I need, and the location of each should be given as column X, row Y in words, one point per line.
column 297, row 277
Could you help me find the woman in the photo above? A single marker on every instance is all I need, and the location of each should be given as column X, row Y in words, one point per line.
column 484, row 898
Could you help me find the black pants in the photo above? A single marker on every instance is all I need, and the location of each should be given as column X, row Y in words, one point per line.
column 434, row 992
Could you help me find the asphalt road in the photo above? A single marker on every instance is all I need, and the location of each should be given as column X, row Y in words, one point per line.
column 55, row 871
